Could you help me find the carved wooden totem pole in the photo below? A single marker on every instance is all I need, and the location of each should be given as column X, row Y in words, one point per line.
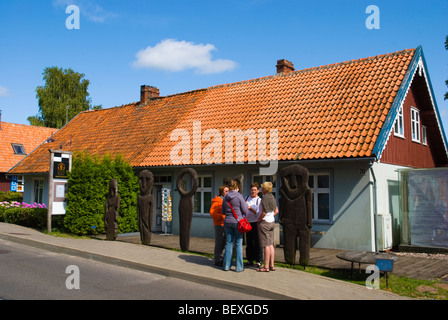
column 145, row 206
column 296, row 213
column 111, row 211
column 186, row 207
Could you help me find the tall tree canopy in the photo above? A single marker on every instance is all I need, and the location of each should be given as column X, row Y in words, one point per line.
column 63, row 96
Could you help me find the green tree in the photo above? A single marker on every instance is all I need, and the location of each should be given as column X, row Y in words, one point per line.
column 63, row 96
column 88, row 187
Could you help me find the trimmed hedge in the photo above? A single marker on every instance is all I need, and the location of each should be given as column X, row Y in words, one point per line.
column 10, row 196
column 88, row 187
column 24, row 216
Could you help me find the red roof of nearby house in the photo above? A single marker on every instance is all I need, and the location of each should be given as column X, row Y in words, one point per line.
column 30, row 137
column 329, row 112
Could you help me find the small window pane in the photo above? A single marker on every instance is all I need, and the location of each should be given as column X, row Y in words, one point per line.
column 311, row 181
column 323, row 181
column 18, row 148
column 38, row 191
column 197, row 202
column 258, row 179
column 424, row 136
column 207, row 182
column 207, row 201
column 323, row 200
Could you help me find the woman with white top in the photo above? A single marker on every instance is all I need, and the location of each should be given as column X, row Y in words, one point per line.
column 254, row 252
column 266, row 226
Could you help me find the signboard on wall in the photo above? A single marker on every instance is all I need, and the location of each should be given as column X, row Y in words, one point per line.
column 60, row 165
column 14, row 184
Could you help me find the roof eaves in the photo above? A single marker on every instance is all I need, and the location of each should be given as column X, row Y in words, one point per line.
column 434, row 103
column 404, row 88
column 398, row 101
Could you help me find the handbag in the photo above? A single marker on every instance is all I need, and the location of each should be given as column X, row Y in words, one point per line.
column 243, row 225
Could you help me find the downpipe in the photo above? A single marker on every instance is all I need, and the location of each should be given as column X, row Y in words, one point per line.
column 375, row 207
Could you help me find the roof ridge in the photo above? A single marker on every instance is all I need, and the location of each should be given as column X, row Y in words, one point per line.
column 137, row 103
column 106, row 109
column 332, row 65
column 27, row 125
column 396, row 53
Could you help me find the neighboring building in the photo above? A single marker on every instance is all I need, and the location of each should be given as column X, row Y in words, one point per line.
column 352, row 124
column 17, row 141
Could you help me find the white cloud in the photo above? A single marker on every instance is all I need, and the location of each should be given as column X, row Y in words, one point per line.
column 172, row 55
column 4, row 92
column 88, row 9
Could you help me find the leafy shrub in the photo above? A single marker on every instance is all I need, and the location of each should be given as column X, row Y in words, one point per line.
column 33, row 216
column 2, row 213
column 88, row 187
column 15, row 216
column 11, row 196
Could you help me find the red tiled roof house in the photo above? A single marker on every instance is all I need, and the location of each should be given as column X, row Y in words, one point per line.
column 16, row 141
column 349, row 123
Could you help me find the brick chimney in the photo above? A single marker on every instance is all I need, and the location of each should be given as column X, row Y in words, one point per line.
column 0, row 119
column 284, row 66
column 147, row 92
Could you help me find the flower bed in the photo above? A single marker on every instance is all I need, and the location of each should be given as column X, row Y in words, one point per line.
column 30, row 215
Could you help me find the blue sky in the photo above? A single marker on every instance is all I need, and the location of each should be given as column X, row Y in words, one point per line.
column 121, row 45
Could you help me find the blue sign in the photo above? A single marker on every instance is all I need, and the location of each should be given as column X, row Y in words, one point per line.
column 385, row 265
column 13, row 186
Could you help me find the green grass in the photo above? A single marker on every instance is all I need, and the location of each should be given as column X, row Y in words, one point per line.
column 61, row 234
column 403, row 286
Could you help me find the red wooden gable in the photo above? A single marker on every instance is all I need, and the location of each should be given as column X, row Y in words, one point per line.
column 417, row 152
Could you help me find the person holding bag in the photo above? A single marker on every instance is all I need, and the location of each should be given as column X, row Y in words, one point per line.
column 233, row 200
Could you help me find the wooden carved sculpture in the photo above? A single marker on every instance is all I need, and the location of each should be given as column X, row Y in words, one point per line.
column 295, row 214
column 186, row 207
column 145, row 206
column 111, row 211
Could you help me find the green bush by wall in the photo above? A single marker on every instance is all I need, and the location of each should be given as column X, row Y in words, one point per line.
column 32, row 216
column 88, row 187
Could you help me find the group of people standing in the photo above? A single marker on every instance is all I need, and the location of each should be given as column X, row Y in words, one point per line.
column 260, row 213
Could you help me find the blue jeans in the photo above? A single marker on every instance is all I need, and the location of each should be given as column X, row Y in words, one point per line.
column 231, row 235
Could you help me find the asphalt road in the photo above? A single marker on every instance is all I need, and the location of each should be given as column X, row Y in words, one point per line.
column 27, row 273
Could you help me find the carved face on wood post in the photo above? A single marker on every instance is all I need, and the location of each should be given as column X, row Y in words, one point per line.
column 145, row 181
column 294, row 180
column 113, row 188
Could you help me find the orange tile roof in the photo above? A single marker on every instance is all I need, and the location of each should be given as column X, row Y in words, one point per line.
column 29, row 136
column 328, row 112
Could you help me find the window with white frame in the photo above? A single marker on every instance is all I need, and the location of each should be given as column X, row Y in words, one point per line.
column 319, row 182
column 20, row 183
column 203, row 195
column 424, row 136
column 38, row 190
column 398, row 127
column 415, row 125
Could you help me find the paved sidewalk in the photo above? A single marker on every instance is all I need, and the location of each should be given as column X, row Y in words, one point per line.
column 281, row 284
column 407, row 266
